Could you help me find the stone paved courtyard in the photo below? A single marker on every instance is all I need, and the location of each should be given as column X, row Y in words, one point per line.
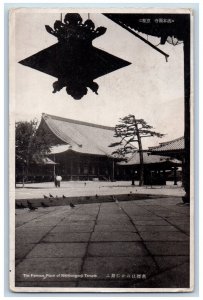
column 126, row 244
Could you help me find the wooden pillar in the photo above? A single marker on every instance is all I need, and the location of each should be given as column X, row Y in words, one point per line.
column 113, row 170
column 164, row 175
column 175, row 175
column 54, row 166
column 71, row 169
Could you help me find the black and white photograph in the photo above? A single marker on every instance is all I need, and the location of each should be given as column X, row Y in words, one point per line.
column 101, row 173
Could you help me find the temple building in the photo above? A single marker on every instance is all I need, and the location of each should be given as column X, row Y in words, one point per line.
column 157, row 168
column 80, row 150
column 174, row 148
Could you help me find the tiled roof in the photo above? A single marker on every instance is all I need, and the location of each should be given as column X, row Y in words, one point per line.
column 80, row 136
column 174, row 145
column 148, row 159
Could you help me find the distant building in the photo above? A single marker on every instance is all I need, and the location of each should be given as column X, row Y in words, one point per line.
column 174, row 148
column 157, row 168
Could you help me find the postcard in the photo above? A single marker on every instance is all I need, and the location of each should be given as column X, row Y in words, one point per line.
column 101, row 150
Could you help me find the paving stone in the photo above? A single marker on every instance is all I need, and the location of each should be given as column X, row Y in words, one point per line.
column 184, row 227
column 181, row 208
column 163, row 236
column 147, row 218
column 138, row 213
column 108, row 205
column 113, row 227
column 150, row 222
column 83, row 213
column 116, row 249
column 158, row 228
column 27, row 215
column 185, row 213
column 168, row 248
column 164, row 201
column 115, row 236
column 23, row 249
column 104, row 267
column 154, row 207
column 90, row 205
column 122, row 218
column 157, row 208
column 58, row 250
column 108, row 213
column 113, row 222
column 133, row 208
column 180, row 221
column 168, row 262
column 168, row 214
column 80, row 223
column 29, row 236
column 37, row 268
column 44, row 222
column 87, row 211
column 27, row 230
column 17, row 261
column 19, row 223
column 141, row 203
column 63, row 237
column 73, row 228
column 82, row 218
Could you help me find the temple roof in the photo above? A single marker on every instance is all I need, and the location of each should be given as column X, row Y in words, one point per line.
column 149, row 159
column 174, row 145
column 78, row 136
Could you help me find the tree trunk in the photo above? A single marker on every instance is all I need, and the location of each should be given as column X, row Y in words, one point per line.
column 141, row 183
column 23, row 176
column 26, row 170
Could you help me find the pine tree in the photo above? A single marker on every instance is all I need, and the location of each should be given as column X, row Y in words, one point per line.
column 131, row 130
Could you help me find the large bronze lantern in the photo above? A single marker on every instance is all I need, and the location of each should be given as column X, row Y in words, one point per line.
column 74, row 61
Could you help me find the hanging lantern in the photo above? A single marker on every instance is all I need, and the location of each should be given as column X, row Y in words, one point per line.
column 73, row 60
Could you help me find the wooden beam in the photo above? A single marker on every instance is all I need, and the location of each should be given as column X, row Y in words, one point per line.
column 140, row 37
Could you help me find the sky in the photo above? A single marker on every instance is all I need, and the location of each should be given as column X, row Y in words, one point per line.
column 150, row 88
